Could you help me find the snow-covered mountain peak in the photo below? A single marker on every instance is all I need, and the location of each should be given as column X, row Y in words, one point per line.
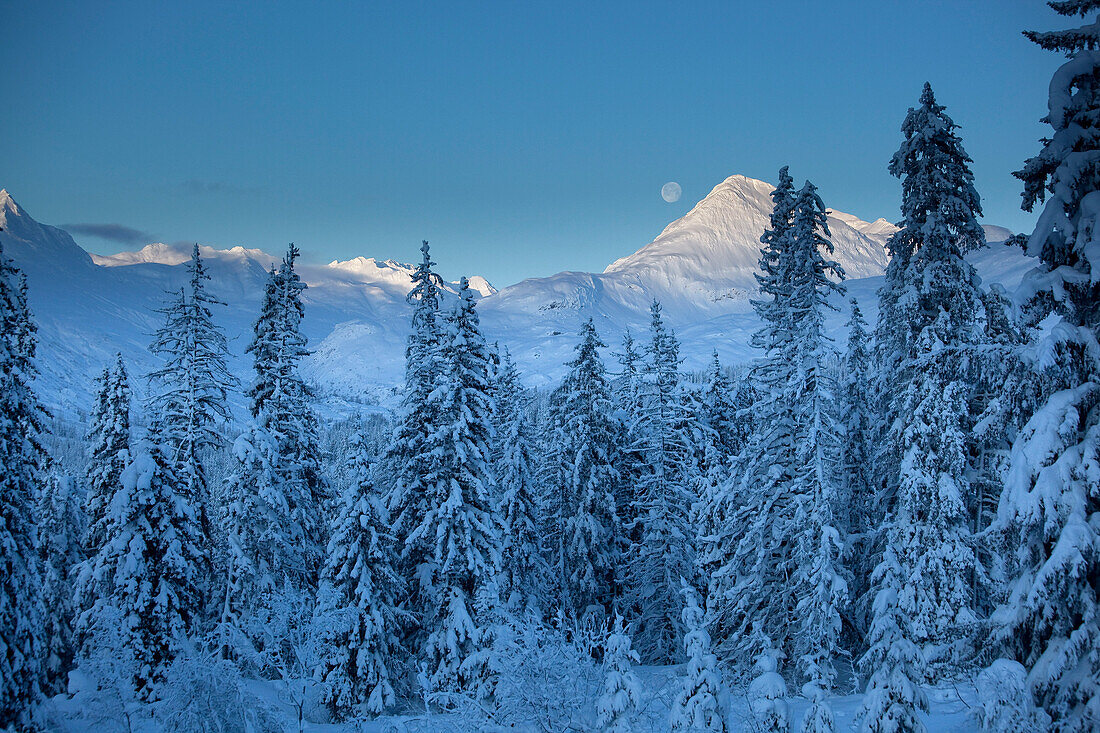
column 11, row 213
column 720, row 211
column 479, row 285
column 368, row 264
column 159, row 253
column 7, row 203
column 389, row 273
column 40, row 246
column 709, row 255
column 156, row 253
column 878, row 228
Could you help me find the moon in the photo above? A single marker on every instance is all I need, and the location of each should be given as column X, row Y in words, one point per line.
column 670, row 192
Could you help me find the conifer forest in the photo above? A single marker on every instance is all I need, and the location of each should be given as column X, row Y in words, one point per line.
column 884, row 523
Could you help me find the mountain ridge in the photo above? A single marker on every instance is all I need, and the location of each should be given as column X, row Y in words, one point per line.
column 700, row 267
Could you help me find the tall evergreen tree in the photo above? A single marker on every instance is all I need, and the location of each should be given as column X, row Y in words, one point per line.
column 628, row 395
column 1050, row 508
column 459, row 526
column 940, row 206
column 109, row 452
column 855, row 410
column 858, row 517
column 22, row 613
column 408, row 458
column 109, row 449
column 147, row 573
column 708, row 511
column 189, row 392
column 357, row 605
column 278, row 494
column 524, row 572
column 61, row 525
column 929, row 323
column 928, row 327
column 727, row 510
column 290, row 407
column 662, row 554
column 926, row 276
column 781, row 547
column 820, row 578
column 588, row 532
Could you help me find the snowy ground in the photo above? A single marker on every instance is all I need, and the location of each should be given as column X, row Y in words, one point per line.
column 950, row 707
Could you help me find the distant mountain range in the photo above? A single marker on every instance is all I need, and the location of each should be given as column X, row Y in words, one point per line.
column 700, row 267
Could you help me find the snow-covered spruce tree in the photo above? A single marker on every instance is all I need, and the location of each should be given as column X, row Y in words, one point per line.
column 823, row 597
column 261, row 552
column 588, row 533
column 1050, row 506
column 782, row 548
column 718, row 548
column 410, row 465
column 459, row 526
column 930, row 519
column 662, row 554
column 22, row 614
column 360, row 589
column 696, row 707
column 768, row 691
column 189, row 392
column 894, row 697
column 628, row 393
column 820, row 579
column 265, row 343
column 108, row 449
column 940, row 207
column 724, row 428
column 148, row 570
column 277, row 495
column 523, row 568
column 1004, row 398
column 1004, row 702
column 294, row 413
column 720, row 409
column 289, row 411
column 621, row 692
column 927, row 333
column 856, row 452
column 60, row 527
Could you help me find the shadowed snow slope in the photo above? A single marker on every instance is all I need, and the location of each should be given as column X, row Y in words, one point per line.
column 700, row 268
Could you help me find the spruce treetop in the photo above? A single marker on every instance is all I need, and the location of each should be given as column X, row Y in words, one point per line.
column 938, row 195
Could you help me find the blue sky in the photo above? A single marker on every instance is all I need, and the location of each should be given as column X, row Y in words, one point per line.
column 521, row 138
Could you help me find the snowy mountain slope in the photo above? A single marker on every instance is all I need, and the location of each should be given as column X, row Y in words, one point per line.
column 177, row 254
column 700, row 267
column 89, row 307
column 718, row 242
